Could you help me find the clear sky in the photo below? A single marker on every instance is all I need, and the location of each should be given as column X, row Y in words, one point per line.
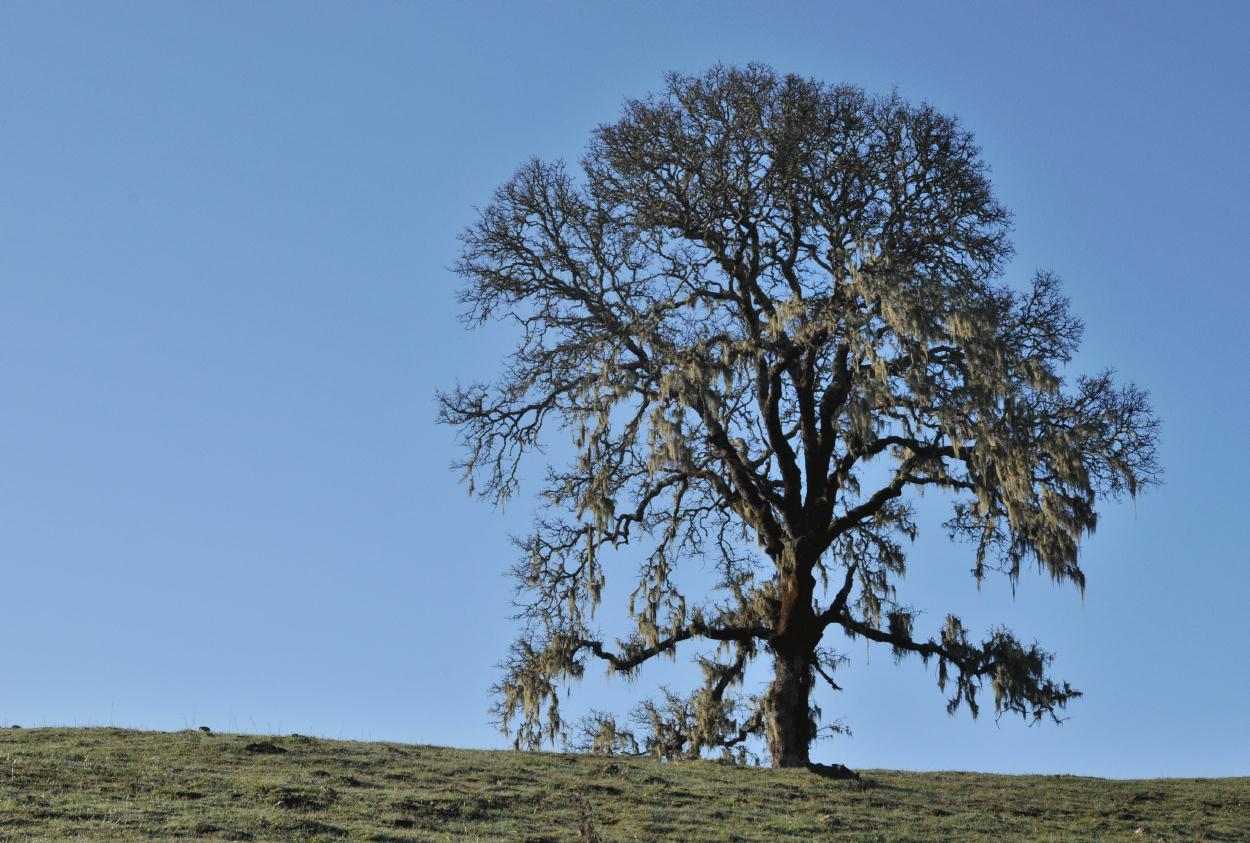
column 225, row 307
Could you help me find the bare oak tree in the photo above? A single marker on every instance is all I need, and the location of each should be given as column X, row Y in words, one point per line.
column 766, row 313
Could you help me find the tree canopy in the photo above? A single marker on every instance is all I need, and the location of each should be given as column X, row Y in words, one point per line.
column 767, row 312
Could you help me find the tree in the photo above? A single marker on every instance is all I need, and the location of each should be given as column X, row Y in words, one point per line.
column 767, row 313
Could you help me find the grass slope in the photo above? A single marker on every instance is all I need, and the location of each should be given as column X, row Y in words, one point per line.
column 67, row 784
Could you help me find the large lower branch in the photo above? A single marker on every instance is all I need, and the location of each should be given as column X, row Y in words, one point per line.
column 1018, row 673
column 631, row 657
column 926, row 649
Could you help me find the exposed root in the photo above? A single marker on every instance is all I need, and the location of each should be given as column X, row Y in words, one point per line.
column 833, row 771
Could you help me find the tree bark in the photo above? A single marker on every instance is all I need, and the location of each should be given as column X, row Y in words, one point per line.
column 789, row 710
column 790, row 725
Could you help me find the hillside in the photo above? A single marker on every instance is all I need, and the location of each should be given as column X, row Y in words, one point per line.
column 117, row 784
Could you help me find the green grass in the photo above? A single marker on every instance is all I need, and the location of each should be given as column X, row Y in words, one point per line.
column 93, row 784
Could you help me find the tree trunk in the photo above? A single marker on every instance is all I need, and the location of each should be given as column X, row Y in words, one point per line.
column 789, row 710
column 790, row 726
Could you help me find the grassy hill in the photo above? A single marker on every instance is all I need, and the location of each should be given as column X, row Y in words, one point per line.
column 66, row 784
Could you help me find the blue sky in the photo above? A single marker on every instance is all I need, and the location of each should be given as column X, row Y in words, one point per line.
column 225, row 308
